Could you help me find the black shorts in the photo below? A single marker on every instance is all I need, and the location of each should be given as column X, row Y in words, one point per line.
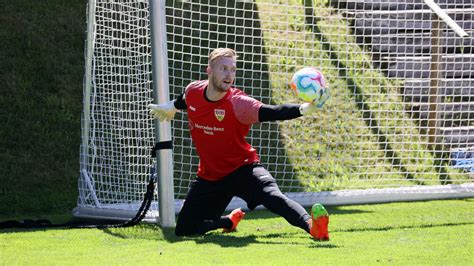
column 207, row 200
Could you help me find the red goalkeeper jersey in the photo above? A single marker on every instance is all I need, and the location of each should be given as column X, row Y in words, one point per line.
column 218, row 130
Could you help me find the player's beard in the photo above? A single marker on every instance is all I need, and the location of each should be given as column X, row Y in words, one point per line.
column 220, row 86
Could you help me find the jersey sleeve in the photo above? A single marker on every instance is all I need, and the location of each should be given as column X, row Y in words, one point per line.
column 180, row 102
column 278, row 112
column 246, row 109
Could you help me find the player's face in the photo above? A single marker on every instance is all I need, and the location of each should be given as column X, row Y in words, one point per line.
column 222, row 73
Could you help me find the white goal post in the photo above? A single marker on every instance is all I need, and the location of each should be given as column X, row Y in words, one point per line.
column 399, row 125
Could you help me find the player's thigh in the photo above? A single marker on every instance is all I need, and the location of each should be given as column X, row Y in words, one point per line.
column 204, row 201
column 258, row 187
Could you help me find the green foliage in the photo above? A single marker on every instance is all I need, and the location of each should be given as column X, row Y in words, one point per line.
column 41, row 79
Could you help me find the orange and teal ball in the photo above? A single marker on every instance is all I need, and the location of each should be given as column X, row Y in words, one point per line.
column 308, row 84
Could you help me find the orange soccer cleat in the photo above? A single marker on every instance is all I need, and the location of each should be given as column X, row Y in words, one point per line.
column 319, row 223
column 235, row 216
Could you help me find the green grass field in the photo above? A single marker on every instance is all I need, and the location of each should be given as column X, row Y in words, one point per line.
column 41, row 72
column 427, row 233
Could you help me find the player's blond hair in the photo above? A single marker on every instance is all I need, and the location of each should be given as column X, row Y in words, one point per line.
column 221, row 52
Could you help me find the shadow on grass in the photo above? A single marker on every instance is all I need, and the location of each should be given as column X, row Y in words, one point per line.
column 398, row 227
column 155, row 233
column 339, row 211
column 229, row 240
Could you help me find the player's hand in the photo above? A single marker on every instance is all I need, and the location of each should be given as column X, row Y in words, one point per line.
column 164, row 111
column 308, row 108
column 324, row 96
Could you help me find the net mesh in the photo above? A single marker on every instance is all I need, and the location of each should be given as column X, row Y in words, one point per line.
column 115, row 150
column 400, row 113
column 374, row 132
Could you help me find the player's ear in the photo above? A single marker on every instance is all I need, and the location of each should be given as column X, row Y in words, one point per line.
column 208, row 70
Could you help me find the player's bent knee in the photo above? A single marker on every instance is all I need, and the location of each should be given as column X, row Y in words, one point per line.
column 181, row 232
column 185, row 229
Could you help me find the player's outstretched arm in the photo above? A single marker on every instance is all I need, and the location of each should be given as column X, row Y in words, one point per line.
column 291, row 111
column 166, row 111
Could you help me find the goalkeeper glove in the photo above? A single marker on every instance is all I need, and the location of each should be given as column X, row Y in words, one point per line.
column 308, row 108
column 164, row 111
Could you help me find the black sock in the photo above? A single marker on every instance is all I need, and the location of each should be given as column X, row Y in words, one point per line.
column 225, row 222
column 209, row 225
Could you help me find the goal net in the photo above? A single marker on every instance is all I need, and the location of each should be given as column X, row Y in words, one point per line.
column 398, row 127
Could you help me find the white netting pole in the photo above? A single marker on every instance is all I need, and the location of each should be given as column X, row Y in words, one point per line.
column 85, row 127
column 161, row 89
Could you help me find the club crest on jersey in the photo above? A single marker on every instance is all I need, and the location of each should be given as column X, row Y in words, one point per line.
column 219, row 113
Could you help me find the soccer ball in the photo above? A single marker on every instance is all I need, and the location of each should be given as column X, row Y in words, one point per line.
column 308, row 83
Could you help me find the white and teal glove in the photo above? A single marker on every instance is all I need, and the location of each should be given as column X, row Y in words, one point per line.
column 309, row 108
column 164, row 111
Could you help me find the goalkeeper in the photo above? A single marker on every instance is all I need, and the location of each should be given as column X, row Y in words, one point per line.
column 220, row 117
